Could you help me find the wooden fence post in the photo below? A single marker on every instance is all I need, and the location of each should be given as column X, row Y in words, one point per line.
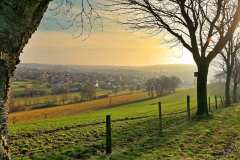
column 188, row 108
column 108, row 135
column 160, row 116
column 216, row 105
column 209, row 104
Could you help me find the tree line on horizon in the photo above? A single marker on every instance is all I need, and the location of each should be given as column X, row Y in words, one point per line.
column 163, row 85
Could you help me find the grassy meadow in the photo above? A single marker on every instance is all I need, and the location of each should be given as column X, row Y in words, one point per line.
column 67, row 137
column 122, row 111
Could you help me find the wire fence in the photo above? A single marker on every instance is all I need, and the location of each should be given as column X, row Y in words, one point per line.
column 184, row 115
column 164, row 121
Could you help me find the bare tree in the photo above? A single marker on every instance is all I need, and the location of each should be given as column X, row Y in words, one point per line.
column 199, row 25
column 18, row 21
column 228, row 55
column 88, row 92
column 162, row 86
column 150, row 87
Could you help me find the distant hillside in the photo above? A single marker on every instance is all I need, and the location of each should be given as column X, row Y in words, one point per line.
column 91, row 68
column 185, row 72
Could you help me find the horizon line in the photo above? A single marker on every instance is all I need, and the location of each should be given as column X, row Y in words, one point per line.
column 108, row 65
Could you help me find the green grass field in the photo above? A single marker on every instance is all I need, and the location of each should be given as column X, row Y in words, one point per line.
column 170, row 103
column 62, row 138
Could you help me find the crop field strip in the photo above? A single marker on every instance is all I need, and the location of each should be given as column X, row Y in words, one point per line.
column 71, row 109
column 58, row 98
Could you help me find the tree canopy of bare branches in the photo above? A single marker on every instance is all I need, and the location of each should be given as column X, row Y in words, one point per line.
column 202, row 26
column 79, row 16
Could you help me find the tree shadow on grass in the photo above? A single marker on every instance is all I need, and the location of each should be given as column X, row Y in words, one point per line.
column 131, row 140
column 206, row 138
column 142, row 138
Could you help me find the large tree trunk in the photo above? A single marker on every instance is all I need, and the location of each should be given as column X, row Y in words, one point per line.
column 235, row 83
column 4, row 85
column 18, row 21
column 227, row 86
column 235, row 77
column 202, row 104
column 235, row 87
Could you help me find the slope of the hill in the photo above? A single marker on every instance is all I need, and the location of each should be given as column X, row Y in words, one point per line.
column 69, row 137
column 217, row 137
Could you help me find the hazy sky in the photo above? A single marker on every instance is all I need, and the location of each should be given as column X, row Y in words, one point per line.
column 111, row 45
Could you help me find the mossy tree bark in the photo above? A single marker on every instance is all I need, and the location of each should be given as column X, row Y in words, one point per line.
column 4, row 80
column 19, row 19
column 229, row 68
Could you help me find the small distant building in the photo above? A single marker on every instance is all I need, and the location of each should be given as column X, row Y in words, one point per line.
column 97, row 84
